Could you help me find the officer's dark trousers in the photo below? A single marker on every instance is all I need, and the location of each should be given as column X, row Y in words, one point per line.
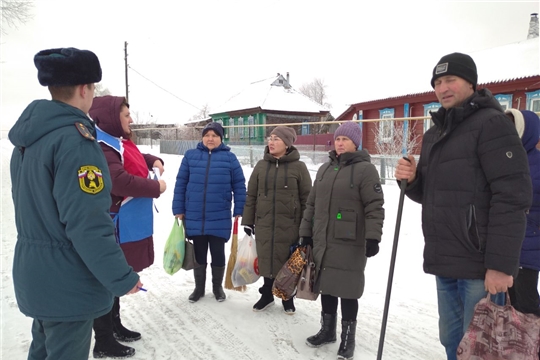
column 60, row 340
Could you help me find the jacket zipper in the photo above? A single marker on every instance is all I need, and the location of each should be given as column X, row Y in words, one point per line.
column 205, row 186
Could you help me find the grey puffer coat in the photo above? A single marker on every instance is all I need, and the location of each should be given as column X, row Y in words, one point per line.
column 344, row 208
column 276, row 198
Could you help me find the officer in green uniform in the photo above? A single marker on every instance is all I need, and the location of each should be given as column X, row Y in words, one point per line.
column 67, row 266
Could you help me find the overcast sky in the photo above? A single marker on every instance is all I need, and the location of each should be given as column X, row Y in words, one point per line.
column 204, row 52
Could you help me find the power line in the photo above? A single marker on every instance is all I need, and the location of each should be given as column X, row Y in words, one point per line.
column 167, row 91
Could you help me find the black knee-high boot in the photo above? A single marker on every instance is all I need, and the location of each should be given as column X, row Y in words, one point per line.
column 199, row 274
column 348, row 333
column 217, row 281
column 106, row 345
column 119, row 331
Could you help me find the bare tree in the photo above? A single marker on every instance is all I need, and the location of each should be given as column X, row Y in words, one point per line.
column 14, row 12
column 389, row 144
column 101, row 90
column 316, row 91
column 202, row 114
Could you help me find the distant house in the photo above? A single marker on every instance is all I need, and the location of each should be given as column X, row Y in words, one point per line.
column 511, row 72
column 269, row 101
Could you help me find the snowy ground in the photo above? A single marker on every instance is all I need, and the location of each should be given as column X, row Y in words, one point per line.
column 173, row 328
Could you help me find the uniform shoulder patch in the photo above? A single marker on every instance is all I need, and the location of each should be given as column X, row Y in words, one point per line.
column 90, row 179
column 377, row 188
column 83, row 130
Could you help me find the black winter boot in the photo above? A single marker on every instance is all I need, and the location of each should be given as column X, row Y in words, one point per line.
column 346, row 347
column 327, row 334
column 199, row 273
column 288, row 306
column 267, row 298
column 106, row 345
column 119, row 331
column 217, row 282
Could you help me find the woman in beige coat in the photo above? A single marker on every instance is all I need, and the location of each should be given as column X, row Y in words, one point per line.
column 276, row 198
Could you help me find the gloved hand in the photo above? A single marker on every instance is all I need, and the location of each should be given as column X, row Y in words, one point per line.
column 306, row 240
column 372, row 247
column 249, row 230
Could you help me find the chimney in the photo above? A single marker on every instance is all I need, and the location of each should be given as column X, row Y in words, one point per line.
column 533, row 26
column 536, row 35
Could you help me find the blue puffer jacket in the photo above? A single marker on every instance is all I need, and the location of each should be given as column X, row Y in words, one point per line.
column 530, row 251
column 204, row 189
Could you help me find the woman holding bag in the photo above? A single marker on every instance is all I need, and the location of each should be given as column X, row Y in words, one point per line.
column 343, row 220
column 277, row 193
column 208, row 178
column 132, row 209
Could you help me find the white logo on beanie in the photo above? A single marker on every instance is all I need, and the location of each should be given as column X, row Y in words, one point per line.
column 441, row 68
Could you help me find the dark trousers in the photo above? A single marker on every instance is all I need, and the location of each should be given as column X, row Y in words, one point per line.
column 60, row 340
column 349, row 307
column 217, row 249
column 524, row 294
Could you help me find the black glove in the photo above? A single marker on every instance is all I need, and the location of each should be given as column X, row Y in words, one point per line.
column 249, row 229
column 306, row 240
column 372, row 247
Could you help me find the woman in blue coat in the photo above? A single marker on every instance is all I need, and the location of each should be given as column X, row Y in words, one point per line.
column 524, row 293
column 207, row 180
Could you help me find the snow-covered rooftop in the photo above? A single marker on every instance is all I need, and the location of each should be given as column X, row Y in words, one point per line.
column 498, row 64
column 272, row 94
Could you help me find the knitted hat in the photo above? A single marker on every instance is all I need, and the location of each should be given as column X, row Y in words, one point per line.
column 216, row 127
column 457, row 64
column 287, row 134
column 67, row 67
column 351, row 130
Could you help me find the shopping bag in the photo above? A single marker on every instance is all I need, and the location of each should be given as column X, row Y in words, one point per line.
column 232, row 261
column 246, row 268
column 307, row 278
column 173, row 255
column 500, row 332
column 287, row 278
column 190, row 262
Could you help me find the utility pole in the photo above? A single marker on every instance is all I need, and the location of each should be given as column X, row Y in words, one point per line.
column 126, row 66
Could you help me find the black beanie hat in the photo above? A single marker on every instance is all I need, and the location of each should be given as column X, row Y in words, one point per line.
column 457, row 64
column 67, row 67
column 216, row 127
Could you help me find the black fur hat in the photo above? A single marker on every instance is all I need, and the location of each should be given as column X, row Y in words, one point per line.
column 67, row 67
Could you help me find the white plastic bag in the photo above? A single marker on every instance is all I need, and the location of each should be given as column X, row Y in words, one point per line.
column 246, row 268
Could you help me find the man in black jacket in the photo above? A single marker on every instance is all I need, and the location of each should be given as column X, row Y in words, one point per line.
column 473, row 182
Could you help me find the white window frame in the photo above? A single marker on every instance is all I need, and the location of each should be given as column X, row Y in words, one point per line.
column 433, row 107
column 386, row 127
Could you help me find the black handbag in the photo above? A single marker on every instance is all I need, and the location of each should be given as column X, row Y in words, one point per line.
column 190, row 262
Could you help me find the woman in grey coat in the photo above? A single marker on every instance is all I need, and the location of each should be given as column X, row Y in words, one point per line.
column 343, row 221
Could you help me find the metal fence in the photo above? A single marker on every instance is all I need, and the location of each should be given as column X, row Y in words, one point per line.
column 249, row 155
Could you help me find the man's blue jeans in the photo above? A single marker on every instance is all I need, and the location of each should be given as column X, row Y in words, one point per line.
column 456, row 300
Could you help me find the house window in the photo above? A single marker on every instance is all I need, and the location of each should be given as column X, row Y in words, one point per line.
column 505, row 100
column 251, row 122
column 533, row 101
column 305, row 128
column 241, row 129
column 433, row 107
column 232, row 133
column 225, row 131
column 386, row 127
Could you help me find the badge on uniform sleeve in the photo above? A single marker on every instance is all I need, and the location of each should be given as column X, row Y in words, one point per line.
column 377, row 188
column 90, row 179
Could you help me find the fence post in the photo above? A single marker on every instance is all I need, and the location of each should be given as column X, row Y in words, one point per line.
column 383, row 170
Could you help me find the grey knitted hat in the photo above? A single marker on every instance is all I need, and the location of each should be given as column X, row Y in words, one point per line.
column 287, row 134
